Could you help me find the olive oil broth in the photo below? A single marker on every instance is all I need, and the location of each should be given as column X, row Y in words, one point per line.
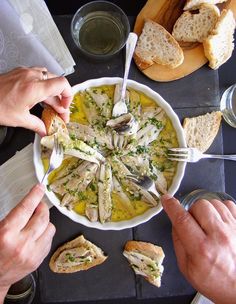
column 166, row 139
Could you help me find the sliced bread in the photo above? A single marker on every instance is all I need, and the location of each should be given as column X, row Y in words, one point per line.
column 193, row 4
column 218, row 47
column 146, row 260
column 195, row 27
column 76, row 255
column 157, row 45
column 200, row 131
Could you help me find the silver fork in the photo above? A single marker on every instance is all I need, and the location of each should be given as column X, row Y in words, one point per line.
column 56, row 158
column 120, row 106
column 192, row 155
column 145, row 182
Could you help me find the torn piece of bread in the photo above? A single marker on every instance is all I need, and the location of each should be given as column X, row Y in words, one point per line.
column 53, row 122
column 76, row 255
column 193, row 4
column 200, row 131
column 195, row 27
column 157, row 45
column 218, row 47
column 146, row 260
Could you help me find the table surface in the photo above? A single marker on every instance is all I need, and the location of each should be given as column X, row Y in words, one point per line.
column 195, row 94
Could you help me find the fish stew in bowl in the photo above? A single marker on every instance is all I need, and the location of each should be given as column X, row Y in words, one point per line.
column 94, row 189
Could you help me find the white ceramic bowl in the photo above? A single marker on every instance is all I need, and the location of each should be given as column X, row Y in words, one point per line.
column 150, row 212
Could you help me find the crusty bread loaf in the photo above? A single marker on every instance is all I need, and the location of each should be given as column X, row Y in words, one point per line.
column 157, row 45
column 76, row 255
column 53, row 122
column 146, row 260
column 218, row 47
column 193, row 4
column 200, row 131
column 195, row 27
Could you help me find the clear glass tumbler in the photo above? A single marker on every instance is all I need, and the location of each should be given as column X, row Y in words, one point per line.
column 22, row 291
column 195, row 195
column 228, row 105
column 100, row 29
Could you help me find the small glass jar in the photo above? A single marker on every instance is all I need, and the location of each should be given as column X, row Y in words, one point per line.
column 228, row 105
column 23, row 291
column 3, row 134
column 195, row 195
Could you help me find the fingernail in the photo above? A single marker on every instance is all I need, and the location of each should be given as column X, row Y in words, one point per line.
column 166, row 197
column 42, row 187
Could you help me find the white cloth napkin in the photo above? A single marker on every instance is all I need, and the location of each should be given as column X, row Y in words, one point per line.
column 30, row 37
column 17, row 177
column 200, row 299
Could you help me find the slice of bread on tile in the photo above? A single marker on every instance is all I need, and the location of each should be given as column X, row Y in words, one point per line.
column 196, row 26
column 76, row 255
column 194, row 4
column 201, row 131
column 218, row 47
column 157, row 45
column 146, row 260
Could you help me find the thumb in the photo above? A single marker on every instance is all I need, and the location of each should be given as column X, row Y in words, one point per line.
column 35, row 124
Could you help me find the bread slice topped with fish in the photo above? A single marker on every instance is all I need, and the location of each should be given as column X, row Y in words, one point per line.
column 55, row 126
column 146, row 260
column 76, row 255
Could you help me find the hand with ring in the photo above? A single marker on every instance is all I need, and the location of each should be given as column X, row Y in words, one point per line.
column 22, row 88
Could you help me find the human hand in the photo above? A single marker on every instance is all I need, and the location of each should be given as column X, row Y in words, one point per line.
column 205, row 245
column 22, row 88
column 25, row 238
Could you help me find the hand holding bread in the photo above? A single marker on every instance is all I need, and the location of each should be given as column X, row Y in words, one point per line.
column 23, row 88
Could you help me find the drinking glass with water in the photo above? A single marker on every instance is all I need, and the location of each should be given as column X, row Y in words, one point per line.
column 228, row 105
column 100, row 29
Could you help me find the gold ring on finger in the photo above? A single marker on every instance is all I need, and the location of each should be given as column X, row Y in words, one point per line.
column 44, row 75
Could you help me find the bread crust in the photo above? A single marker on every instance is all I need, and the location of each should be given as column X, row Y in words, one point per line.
column 149, row 249
column 194, row 4
column 218, row 47
column 53, row 121
column 77, row 242
column 142, row 64
column 201, row 137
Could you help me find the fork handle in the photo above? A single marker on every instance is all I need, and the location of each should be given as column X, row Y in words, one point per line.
column 130, row 46
column 227, row 157
column 45, row 174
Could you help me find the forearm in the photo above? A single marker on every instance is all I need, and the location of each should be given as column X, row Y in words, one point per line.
column 3, row 292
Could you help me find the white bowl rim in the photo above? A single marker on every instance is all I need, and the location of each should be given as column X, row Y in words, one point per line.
column 146, row 216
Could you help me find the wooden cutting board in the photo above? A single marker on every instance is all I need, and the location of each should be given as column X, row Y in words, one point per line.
column 166, row 12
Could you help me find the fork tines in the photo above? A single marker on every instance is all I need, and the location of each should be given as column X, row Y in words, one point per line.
column 178, row 154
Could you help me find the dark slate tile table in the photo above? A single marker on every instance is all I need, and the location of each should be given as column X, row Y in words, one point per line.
column 114, row 281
